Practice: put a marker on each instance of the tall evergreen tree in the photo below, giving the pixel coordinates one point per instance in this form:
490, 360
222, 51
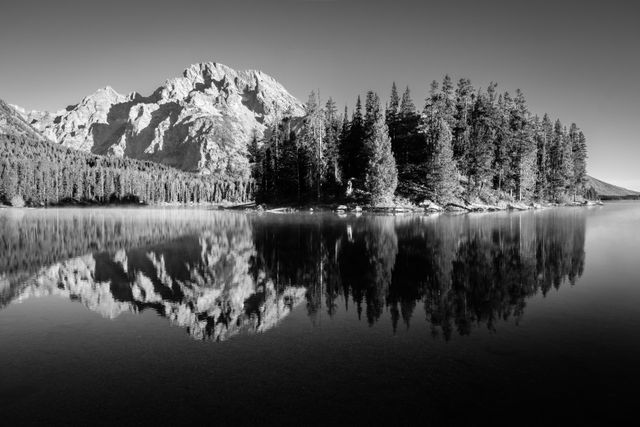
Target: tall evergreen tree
391, 113
440, 175
332, 125
313, 138
580, 163
523, 149
353, 160
544, 139
255, 157
503, 142
448, 101
371, 113
558, 161
567, 163
381, 175
406, 141
461, 130
9, 183
479, 157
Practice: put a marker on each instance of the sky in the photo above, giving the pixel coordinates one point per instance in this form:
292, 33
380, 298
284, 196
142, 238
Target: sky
576, 60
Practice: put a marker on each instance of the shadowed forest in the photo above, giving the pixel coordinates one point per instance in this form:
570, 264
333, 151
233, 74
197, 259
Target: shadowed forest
477, 144
41, 173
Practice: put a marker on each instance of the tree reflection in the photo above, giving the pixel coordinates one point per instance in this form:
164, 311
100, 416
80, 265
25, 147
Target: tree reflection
464, 270
222, 274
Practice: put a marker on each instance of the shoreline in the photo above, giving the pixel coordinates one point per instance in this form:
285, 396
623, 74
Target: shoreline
430, 208
424, 208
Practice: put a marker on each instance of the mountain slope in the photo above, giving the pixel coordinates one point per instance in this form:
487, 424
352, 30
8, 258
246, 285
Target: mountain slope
39, 172
201, 121
606, 190
12, 123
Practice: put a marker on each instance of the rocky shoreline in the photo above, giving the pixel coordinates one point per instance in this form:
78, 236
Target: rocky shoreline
424, 207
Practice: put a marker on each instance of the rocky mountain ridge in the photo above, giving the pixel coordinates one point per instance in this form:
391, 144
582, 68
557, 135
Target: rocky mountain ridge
12, 122
200, 121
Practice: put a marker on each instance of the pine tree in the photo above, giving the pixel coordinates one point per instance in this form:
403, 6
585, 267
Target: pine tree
580, 163
391, 112
371, 113
439, 171
433, 89
381, 176
462, 128
313, 135
479, 157
503, 143
332, 130
442, 176
544, 138
523, 149
448, 101
255, 157
344, 147
352, 147
567, 163
557, 161
406, 141
9, 188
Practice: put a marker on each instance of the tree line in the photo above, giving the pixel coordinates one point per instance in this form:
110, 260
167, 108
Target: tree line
465, 142
41, 173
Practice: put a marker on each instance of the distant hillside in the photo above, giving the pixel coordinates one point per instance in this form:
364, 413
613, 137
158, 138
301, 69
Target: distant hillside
609, 191
12, 123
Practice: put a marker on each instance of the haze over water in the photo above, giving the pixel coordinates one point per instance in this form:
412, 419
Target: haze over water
133, 315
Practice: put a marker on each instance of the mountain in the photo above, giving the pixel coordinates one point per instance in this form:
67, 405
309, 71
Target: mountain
13, 123
609, 191
200, 122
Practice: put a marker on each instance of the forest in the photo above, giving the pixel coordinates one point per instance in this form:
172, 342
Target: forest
476, 144
41, 173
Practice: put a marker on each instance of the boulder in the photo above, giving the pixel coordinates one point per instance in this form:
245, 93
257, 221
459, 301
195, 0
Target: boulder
518, 206
430, 206
456, 207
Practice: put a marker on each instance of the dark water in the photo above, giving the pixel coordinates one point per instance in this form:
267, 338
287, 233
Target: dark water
182, 316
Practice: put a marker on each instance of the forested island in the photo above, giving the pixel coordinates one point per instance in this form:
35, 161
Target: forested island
475, 145
465, 146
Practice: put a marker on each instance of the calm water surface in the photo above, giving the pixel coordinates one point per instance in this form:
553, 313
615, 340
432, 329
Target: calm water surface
134, 316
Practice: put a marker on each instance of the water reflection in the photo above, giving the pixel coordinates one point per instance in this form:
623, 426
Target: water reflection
222, 274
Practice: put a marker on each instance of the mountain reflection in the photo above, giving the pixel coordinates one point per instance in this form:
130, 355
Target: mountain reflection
222, 274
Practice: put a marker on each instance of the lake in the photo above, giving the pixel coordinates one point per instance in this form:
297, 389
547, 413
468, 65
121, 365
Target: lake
134, 316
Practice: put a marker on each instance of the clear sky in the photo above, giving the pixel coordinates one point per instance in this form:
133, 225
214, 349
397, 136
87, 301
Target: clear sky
576, 60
